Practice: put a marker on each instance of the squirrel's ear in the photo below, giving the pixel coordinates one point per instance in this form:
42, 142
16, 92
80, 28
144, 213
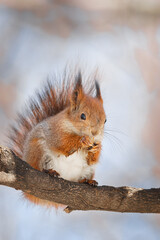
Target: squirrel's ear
77, 93
98, 92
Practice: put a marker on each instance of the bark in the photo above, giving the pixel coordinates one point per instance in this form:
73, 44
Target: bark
17, 174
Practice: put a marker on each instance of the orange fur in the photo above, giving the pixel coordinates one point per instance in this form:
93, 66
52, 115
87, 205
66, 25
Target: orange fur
35, 153
39, 201
70, 143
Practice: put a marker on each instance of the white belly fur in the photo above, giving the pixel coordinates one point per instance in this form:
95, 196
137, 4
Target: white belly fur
72, 168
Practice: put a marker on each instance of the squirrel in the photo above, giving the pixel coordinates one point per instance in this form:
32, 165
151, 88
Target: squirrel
61, 131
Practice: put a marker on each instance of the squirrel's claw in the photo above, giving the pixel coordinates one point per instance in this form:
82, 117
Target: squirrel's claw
86, 142
89, 181
94, 148
51, 172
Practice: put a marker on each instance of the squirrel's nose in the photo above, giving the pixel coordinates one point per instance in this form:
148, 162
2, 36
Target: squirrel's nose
94, 132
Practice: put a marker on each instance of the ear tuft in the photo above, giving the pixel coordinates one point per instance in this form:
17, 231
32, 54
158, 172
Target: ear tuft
77, 94
98, 91
78, 81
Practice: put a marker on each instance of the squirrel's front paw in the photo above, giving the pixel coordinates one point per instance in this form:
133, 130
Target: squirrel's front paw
95, 147
86, 142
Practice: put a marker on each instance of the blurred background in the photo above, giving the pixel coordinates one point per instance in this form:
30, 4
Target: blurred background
121, 40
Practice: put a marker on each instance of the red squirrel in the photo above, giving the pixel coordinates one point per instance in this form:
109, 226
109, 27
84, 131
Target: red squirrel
61, 132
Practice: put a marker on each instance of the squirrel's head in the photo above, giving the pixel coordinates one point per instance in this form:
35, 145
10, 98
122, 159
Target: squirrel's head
86, 113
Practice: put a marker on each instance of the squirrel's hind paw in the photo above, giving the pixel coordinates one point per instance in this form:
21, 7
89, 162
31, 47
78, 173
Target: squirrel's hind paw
51, 172
89, 181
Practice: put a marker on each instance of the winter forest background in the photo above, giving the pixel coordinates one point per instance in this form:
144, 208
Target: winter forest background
121, 39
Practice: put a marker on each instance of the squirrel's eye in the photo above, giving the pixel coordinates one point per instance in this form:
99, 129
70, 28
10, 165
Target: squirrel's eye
105, 121
83, 116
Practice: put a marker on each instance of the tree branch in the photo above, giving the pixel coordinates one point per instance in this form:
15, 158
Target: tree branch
18, 174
